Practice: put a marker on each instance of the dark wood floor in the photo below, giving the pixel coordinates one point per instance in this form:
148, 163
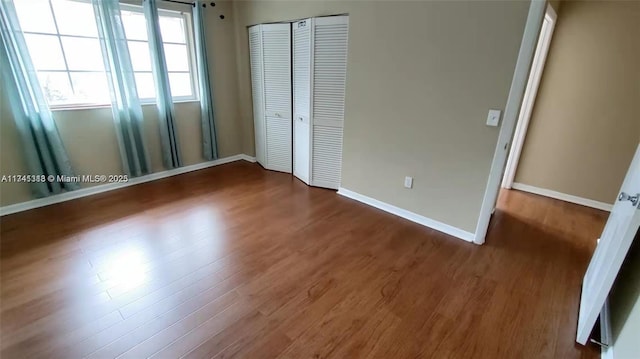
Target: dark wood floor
235, 261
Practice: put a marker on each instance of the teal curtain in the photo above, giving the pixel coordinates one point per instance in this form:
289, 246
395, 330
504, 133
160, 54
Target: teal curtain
44, 152
207, 114
125, 104
164, 101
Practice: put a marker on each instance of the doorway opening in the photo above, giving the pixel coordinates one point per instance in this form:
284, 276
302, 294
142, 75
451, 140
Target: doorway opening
506, 198
535, 75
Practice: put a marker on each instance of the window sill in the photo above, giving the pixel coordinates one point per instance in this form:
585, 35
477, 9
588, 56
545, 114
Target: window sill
101, 106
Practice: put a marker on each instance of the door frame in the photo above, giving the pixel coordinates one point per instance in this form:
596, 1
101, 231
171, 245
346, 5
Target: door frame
535, 17
535, 75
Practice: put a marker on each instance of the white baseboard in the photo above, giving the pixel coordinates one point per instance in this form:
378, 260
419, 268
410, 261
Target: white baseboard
563, 196
84, 192
413, 217
247, 158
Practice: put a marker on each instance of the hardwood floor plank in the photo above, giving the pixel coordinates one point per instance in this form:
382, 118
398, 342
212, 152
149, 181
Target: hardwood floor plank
128, 340
238, 262
191, 333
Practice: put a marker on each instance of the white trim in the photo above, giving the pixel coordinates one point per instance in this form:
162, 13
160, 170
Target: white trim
562, 196
535, 75
247, 158
606, 333
84, 192
516, 93
413, 217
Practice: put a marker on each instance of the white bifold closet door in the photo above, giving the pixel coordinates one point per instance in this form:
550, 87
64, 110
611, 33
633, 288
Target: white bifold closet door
302, 32
270, 53
257, 92
329, 75
319, 98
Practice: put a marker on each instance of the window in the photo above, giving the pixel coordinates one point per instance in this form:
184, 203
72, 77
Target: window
62, 39
175, 29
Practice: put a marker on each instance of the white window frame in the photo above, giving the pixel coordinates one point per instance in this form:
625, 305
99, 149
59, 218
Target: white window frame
66, 71
189, 38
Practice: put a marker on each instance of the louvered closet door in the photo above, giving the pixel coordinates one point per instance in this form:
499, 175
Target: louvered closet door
329, 79
276, 49
302, 98
257, 92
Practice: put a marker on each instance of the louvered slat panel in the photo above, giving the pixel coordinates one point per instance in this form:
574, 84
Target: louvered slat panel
327, 156
302, 67
257, 92
279, 144
277, 69
330, 70
302, 98
276, 56
329, 80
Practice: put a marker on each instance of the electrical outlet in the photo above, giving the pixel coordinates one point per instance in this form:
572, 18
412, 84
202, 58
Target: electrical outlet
408, 182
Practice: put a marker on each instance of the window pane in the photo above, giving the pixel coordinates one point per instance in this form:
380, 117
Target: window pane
140, 58
83, 53
172, 29
145, 86
180, 84
177, 57
56, 87
90, 87
135, 26
35, 15
75, 18
45, 52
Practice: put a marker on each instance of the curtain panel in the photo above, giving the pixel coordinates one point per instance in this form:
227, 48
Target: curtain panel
44, 152
205, 85
125, 104
164, 101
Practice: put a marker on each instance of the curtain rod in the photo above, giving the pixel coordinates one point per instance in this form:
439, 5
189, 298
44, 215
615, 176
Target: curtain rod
189, 3
182, 2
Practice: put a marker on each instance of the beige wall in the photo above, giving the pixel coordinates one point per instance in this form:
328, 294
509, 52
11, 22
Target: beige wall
555, 4
421, 77
585, 124
90, 138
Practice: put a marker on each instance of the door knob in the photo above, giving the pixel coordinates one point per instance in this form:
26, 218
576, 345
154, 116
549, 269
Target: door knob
301, 119
626, 197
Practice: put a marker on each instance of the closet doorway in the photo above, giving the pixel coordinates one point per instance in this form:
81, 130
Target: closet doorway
298, 77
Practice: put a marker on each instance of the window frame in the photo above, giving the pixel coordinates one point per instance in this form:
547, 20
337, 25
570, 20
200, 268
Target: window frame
190, 43
58, 36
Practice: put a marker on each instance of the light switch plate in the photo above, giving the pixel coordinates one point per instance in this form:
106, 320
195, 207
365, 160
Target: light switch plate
408, 182
494, 118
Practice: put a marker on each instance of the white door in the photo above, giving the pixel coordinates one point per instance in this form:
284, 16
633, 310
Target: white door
302, 35
610, 252
330, 41
257, 92
276, 51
